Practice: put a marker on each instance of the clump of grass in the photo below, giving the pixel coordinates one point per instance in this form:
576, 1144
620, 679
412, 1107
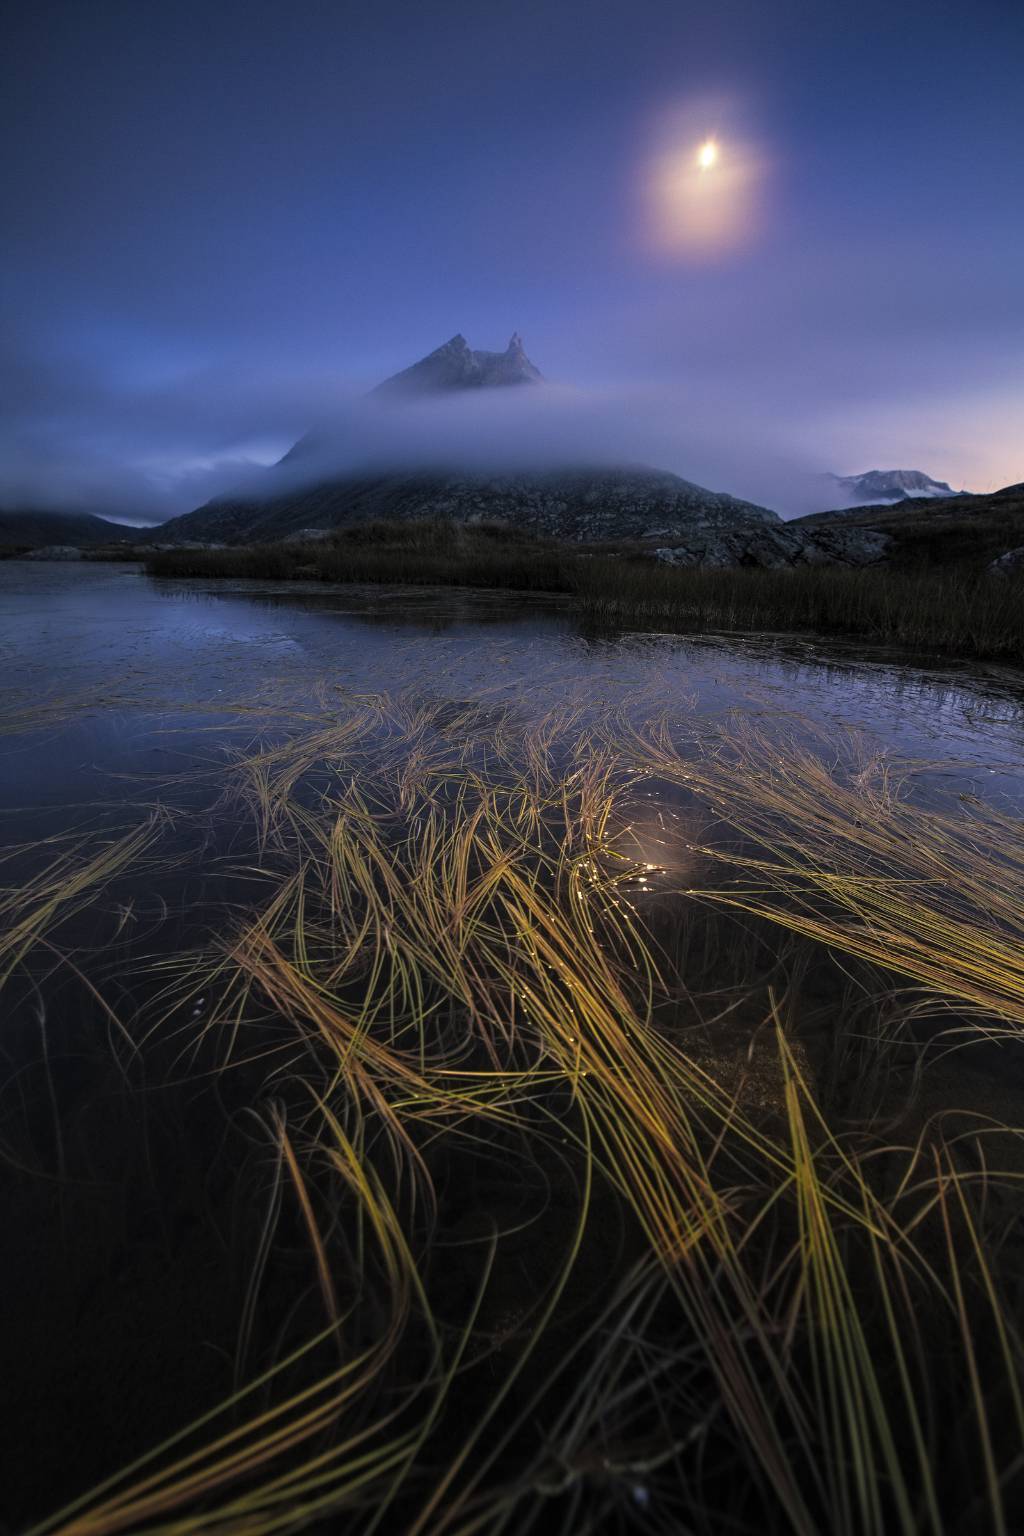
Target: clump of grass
844, 858
77, 871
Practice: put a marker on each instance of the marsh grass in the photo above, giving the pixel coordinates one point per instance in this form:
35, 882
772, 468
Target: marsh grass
426, 553
528, 1029
954, 609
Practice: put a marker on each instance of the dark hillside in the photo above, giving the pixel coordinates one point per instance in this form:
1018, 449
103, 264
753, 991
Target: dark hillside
940, 531
33, 530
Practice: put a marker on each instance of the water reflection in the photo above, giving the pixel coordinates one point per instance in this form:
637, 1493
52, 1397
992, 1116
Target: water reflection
130, 650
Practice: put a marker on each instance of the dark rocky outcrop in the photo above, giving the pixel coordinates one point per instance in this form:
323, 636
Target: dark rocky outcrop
1010, 564
778, 547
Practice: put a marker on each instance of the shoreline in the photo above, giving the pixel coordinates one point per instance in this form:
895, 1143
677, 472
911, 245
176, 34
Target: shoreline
950, 611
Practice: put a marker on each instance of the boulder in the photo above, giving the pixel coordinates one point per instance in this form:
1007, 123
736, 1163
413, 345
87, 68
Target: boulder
1010, 564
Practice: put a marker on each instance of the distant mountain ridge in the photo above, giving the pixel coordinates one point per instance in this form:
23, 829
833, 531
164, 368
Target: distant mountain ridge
579, 502
30, 530
888, 485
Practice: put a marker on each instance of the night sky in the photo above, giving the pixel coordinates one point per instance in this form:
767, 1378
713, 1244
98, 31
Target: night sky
222, 219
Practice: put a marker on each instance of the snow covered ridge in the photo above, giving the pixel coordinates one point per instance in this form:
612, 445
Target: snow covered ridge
890, 485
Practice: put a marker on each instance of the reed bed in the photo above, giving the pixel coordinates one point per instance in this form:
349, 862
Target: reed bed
534, 1026
952, 608
428, 553
955, 609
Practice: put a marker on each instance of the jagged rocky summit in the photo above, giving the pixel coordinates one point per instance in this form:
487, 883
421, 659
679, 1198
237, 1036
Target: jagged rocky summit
684, 522
457, 366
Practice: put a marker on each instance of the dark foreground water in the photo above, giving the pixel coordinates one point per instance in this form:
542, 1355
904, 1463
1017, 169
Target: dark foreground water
130, 1215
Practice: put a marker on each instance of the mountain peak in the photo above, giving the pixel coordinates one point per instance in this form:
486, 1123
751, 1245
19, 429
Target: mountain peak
454, 365
878, 485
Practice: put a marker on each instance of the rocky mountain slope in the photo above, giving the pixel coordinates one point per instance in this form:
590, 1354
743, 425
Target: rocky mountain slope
630, 502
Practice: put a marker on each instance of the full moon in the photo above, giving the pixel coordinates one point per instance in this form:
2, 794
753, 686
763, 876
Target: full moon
703, 190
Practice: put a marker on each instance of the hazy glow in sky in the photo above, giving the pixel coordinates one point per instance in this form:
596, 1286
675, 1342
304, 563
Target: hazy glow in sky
222, 221
706, 191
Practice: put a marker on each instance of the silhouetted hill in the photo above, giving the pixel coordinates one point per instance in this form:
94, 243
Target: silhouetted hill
33, 530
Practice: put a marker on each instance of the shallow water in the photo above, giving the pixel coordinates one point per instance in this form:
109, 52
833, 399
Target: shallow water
137, 1212
98, 660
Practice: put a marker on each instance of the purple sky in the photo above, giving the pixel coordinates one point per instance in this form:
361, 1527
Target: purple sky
223, 219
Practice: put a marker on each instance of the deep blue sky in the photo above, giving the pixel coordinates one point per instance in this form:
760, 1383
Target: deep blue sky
220, 217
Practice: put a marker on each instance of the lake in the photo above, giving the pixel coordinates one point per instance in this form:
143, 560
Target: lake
108, 651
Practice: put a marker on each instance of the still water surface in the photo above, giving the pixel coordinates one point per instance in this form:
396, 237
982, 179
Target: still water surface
98, 661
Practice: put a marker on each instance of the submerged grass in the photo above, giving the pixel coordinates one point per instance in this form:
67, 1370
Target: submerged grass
954, 609
585, 1236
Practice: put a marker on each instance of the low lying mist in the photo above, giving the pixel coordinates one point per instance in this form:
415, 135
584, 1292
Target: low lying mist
542, 428
76, 438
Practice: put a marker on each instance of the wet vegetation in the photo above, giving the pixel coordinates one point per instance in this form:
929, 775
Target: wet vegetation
954, 609
572, 1125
